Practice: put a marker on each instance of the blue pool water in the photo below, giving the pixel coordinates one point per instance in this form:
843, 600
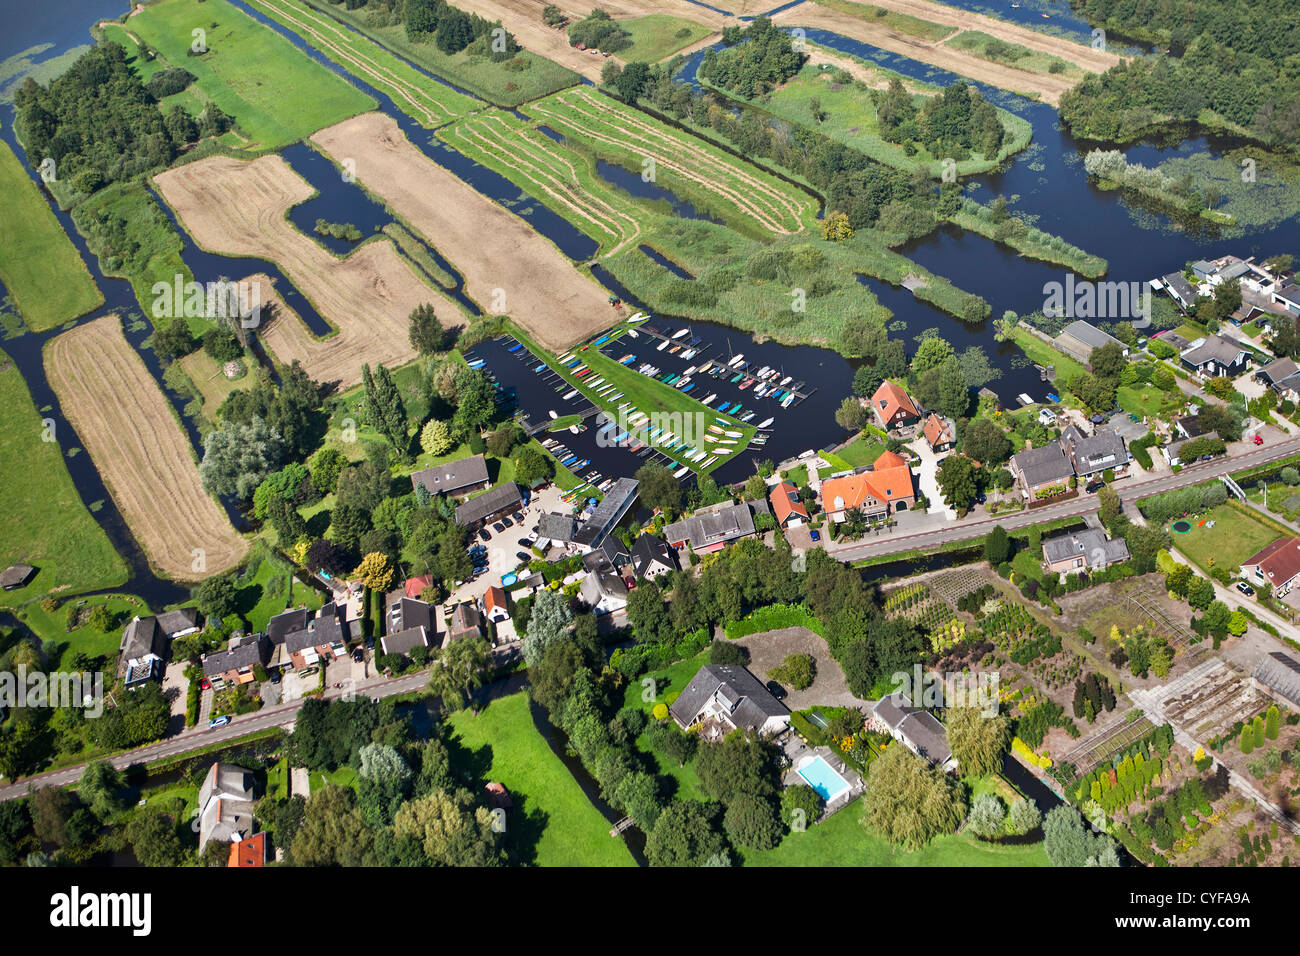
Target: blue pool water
822, 777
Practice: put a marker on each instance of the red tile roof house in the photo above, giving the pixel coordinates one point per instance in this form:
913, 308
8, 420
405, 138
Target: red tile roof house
250, 851
1278, 565
883, 490
495, 604
786, 506
938, 433
893, 407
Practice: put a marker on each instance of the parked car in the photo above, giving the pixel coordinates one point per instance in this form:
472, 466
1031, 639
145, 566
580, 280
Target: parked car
518, 516
205, 684
524, 542
358, 655
309, 671
525, 558
1257, 439
218, 721
1245, 588
275, 677
776, 690
507, 522
815, 534
484, 535
1095, 486
498, 527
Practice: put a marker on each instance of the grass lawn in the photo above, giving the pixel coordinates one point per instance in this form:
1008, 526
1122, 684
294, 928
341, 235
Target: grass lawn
1013, 54
797, 476
657, 36
276, 93
849, 117
39, 265
863, 450
1147, 401
668, 684
1044, 354
270, 589
1028, 564
45, 523
342, 777
842, 841
158, 246
209, 378
525, 77
52, 626
552, 820
1234, 538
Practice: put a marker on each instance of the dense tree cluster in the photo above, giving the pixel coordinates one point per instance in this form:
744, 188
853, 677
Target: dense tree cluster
100, 124
599, 31
1234, 62
756, 60
453, 30
954, 124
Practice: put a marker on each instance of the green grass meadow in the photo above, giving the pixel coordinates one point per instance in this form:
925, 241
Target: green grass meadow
39, 266
551, 814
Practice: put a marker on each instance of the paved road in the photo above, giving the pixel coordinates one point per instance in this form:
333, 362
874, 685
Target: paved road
887, 544
201, 737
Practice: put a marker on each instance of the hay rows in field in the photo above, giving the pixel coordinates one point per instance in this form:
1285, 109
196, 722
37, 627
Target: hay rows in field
146, 461
542, 162
334, 40
589, 116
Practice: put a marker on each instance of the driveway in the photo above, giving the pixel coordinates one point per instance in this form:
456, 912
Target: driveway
927, 476
504, 544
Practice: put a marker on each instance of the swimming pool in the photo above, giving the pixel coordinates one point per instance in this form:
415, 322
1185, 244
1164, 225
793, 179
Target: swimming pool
822, 777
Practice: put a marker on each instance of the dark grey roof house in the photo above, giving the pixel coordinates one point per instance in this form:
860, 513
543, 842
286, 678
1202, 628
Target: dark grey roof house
491, 504
15, 576
406, 613
916, 729
179, 622
140, 653
651, 557
453, 477
616, 503
557, 528
405, 641
1176, 284
226, 804
1079, 338
236, 664
726, 697
1217, 355
712, 529
1040, 468
1091, 454
1088, 549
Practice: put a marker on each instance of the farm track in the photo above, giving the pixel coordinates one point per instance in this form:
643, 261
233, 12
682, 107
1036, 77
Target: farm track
509, 268
238, 209
144, 456
774, 208
333, 39
548, 170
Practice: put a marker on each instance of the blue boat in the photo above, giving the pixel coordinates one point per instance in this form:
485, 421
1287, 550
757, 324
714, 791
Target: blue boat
515, 348
1053, 397
540, 368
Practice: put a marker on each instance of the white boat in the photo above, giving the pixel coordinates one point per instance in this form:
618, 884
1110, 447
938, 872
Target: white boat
690, 370
762, 372
787, 401
682, 383
575, 429
662, 345
736, 361
552, 414
710, 398
785, 381
680, 472
734, 434
711, 460
766, 422
634, 333
679, 334
569, 395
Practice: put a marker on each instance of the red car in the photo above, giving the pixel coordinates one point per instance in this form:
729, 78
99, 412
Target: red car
1257, 439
